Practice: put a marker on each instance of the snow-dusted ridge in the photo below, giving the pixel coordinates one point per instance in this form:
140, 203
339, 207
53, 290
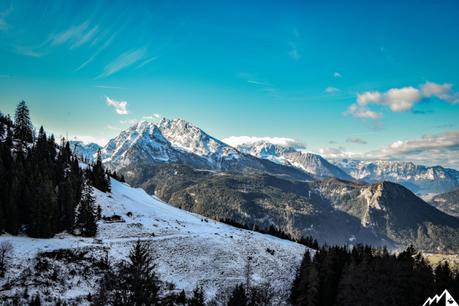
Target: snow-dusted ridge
190, 249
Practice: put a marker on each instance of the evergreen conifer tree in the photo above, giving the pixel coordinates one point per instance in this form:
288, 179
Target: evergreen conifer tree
86, 216
22, 124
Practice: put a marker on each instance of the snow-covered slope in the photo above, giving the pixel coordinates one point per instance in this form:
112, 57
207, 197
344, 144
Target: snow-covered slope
419, 179
190, 249
311, 163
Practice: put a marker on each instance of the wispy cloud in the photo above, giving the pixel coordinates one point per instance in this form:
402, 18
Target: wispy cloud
356, 140
294, 52
337, 74
4, 25
430, 149
401, 99
119, 106
129, 121
154, 116
259, 83
147, 61
92, 57
108, 87
123, 61
113, 128
90, 139
76, 35
331, 90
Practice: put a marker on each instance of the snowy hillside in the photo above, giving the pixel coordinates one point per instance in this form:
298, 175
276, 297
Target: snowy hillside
191, 250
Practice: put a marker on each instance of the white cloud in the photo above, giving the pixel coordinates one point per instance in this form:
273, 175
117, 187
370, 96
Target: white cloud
123, 61
430, 149
363, 112
401, 99
129, 121
441, 91
154, 116
334, 153
113, 128
90, 139
331, 90
120, 106
283, 141
337, 75
76, 35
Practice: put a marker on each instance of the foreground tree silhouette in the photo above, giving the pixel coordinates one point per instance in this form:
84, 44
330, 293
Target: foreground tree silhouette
22, 124
133, 282
238, 296
86, 214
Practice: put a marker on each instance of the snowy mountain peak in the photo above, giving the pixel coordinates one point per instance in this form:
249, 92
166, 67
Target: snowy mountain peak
287, 155
189, 137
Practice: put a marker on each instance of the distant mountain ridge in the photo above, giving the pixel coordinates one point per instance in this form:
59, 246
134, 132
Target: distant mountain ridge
309, 162
419, 179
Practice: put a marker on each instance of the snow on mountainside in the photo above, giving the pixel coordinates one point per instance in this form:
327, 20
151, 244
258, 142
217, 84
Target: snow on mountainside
191, 138
176, 141
311, 163
169, 140
190, 249
419, 179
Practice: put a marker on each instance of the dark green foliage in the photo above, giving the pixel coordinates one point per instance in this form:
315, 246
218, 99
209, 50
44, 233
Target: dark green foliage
86, 213
131, 283
97, 175
22, 124
40, 182
368, 276
198, 297
238, 297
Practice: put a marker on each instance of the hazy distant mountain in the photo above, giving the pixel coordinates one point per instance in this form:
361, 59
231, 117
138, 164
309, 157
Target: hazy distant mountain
311, 163
447, 202
178, 141
419, 179
86, 150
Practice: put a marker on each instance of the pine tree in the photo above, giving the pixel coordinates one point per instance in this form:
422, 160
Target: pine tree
238, 296
139, 281
22, 124
198, 297
86, 216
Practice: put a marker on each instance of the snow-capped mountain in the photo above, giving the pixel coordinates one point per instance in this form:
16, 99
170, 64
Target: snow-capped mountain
311, 163
180, 142
419, 179
86, 150
190, 250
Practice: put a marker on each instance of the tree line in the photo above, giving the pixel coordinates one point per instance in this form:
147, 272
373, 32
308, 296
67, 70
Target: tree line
367, 276
43, 191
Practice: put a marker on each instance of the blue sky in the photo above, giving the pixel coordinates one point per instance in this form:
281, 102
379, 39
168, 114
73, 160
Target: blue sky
345, 78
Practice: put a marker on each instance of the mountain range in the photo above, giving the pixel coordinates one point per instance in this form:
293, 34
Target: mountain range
303, 194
